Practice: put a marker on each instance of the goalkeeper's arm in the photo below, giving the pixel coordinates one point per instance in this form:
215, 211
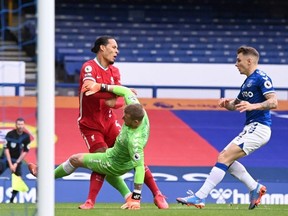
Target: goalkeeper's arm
138, 182
89, 84
128, 94
133, 201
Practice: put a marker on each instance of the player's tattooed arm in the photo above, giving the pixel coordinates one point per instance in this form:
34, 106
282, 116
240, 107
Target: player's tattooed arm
228, 104
271, 102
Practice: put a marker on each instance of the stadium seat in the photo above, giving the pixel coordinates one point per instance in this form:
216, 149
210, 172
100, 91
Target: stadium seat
208, 34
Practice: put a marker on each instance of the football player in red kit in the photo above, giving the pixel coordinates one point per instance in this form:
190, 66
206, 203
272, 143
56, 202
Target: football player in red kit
97, 121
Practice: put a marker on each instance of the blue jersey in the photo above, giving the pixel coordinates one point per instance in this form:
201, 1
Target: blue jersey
253, 90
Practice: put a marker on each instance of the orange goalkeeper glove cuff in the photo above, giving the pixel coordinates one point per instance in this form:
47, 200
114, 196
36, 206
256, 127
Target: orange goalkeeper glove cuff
90, 87
132, 202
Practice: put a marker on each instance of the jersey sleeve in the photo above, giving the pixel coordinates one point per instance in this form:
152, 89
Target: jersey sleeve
264, 82
7, 141
266, 86
137, 156
87, 72
129, 96
139, 174
5, 144
239, 97
26, 143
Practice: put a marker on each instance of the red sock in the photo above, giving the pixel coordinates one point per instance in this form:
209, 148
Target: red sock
150, 182
96, 182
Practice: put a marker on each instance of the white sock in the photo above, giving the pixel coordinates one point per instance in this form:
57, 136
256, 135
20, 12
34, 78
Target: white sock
238, 171
215, 177
68, 167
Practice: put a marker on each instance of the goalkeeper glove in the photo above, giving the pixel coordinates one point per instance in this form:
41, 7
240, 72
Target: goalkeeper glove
132, 202
90, 87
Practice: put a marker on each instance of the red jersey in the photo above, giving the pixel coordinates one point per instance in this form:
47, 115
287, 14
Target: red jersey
93, 112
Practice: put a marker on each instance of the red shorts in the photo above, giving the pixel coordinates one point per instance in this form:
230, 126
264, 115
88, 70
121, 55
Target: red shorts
96, 139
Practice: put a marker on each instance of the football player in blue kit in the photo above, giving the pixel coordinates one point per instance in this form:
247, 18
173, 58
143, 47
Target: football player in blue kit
257, 97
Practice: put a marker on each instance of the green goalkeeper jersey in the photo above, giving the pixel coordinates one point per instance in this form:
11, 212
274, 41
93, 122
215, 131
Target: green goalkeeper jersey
128, 150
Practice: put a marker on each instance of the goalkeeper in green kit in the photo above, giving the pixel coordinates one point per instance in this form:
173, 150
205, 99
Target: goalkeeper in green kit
127, 153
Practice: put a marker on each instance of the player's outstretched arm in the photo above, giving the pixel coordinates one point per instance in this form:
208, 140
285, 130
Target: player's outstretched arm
228, 104
89, 84
268, 104
128, 95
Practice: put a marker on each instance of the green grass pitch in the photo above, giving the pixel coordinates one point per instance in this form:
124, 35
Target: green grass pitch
113, 209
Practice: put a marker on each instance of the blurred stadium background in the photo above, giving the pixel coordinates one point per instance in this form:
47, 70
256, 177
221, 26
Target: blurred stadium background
187, 134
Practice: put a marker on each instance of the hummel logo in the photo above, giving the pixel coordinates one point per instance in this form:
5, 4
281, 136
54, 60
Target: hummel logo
98, 77
221, 195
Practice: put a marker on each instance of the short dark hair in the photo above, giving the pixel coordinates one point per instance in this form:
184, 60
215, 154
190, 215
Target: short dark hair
246, 50
103, 40
135, 111
20, 119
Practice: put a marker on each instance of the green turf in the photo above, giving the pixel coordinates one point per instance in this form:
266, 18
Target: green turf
101, 209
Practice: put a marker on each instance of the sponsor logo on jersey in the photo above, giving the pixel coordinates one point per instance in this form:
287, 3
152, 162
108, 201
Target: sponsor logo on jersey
248, 94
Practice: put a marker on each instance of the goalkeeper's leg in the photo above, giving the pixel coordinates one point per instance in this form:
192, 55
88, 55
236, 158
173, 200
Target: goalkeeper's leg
119, 184
64, 169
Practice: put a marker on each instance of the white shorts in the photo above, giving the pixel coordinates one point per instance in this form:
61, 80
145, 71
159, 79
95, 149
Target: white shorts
253, 136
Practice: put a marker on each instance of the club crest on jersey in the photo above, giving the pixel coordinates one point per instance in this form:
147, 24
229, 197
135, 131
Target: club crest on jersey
249, 84
88, 69
268, 84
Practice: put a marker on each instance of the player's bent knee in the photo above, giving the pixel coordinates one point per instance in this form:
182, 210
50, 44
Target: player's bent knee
76, 160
